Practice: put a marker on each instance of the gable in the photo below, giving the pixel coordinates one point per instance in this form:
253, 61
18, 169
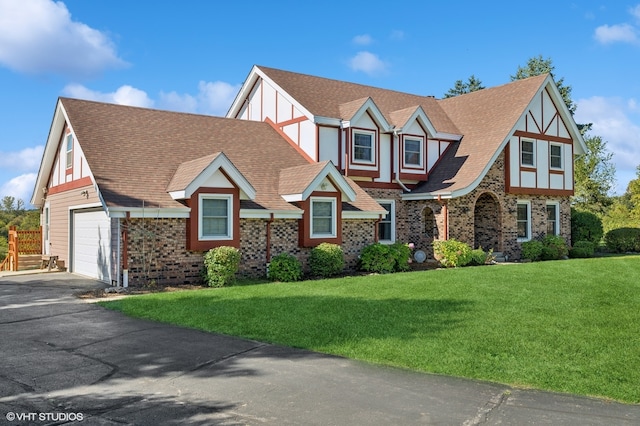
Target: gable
543, 117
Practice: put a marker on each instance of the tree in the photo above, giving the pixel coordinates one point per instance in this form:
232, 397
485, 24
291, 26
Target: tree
537, 66
625, 210
460, 87
594, 177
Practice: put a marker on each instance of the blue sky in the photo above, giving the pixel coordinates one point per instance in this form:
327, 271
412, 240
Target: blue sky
193, 55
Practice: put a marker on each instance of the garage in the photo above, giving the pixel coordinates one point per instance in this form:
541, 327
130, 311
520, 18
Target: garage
91, 244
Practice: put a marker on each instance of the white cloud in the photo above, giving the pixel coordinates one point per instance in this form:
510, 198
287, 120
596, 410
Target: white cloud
20, 187
617, 121
213, 98
364, 39
124, 95
39, 37
368, 63
635, 12
624, 33
25, 160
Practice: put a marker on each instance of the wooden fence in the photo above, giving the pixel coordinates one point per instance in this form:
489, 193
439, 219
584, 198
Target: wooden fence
21, 243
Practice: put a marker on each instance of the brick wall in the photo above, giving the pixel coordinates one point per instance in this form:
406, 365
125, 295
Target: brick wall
157, 252
485, 217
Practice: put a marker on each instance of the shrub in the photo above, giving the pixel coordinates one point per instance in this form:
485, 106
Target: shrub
554, 247
582, 249
623, 240
480, 257
285, 267
452, 253
401, 254
377, 258
326, 260
221, 265
532, 250
585, 226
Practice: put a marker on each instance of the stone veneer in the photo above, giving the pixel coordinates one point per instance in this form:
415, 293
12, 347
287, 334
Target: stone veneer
157, 252
485, 217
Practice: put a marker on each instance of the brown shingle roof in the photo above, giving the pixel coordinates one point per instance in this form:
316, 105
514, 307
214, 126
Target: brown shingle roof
485, 119
294, 180
188, 171
134, 153
328, 98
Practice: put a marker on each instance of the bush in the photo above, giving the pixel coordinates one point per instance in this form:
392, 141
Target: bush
401, 254
551, 247
326, 260
532, 250
582, 249
221, 265
383, 259
452, 253
285, 267
585, 226
554, 247
480, 257
377, 258
622, 240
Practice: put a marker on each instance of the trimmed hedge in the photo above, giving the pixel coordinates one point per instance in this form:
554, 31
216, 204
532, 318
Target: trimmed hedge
582, 249
221, 265
285, 267
385, 258
325, 260
623, 240
551, 247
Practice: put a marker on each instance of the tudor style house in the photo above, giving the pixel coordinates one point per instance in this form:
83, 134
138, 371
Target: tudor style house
137, 195
492, 168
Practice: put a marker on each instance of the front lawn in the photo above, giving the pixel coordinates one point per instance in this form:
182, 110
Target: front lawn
569, 326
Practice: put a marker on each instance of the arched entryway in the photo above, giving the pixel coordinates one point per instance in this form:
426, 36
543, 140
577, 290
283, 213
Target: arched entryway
487, 223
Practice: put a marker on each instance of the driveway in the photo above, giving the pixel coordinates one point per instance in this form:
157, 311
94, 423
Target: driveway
63, 360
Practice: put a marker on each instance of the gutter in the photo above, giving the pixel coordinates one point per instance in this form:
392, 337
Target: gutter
397, 178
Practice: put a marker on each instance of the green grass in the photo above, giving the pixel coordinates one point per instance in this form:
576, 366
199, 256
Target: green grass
569, 326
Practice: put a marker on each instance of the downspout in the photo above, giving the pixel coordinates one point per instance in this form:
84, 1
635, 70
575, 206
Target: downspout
397, 179
269, 222
376, 228
445, 212
125, 252
118, 254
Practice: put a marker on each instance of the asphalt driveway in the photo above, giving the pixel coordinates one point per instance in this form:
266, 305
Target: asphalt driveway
65, 360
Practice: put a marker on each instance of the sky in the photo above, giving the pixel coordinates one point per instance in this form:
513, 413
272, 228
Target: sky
194, 55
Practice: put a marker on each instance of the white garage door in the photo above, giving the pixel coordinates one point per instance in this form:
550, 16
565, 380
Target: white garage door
92, 244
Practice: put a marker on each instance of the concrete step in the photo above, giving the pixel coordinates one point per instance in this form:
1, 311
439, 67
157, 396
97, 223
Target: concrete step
499, 256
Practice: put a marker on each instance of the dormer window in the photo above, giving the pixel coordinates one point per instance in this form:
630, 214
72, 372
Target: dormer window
413, 152
363, 145
215, 217
323, 217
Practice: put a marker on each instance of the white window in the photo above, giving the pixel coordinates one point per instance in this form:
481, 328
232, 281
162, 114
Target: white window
323, 217
553, 218
69, 151
555, 156
413, 152
527, 153
363, 147
215, 220
523, 220
387, 226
